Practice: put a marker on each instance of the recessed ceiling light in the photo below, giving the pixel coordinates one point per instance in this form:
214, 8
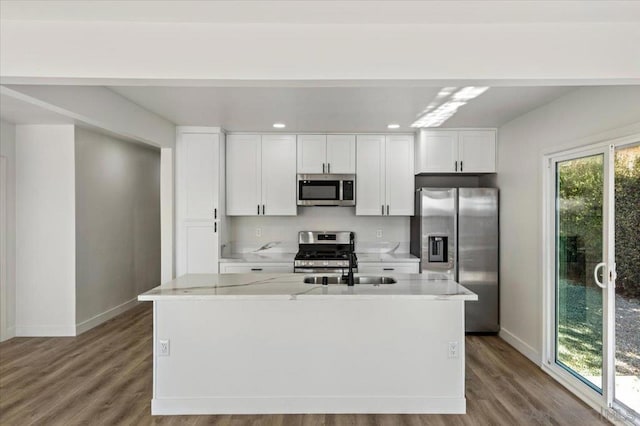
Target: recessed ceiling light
393, 126
279, 125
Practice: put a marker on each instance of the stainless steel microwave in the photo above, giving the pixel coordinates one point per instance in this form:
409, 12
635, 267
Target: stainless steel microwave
326, 190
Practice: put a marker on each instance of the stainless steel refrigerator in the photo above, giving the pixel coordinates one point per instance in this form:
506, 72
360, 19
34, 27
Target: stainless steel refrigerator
455, 234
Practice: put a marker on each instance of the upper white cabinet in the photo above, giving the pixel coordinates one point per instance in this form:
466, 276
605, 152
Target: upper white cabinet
384, 177
326, 154
261, 175
200, 179
456, 151
477, 151
279, 175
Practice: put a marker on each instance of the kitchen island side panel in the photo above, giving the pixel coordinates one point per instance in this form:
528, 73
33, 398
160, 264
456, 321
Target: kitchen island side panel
306, 356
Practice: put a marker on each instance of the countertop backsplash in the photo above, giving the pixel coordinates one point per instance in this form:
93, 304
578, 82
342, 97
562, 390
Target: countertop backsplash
279, 234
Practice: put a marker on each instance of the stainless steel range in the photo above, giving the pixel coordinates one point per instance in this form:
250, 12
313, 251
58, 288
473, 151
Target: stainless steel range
325, 252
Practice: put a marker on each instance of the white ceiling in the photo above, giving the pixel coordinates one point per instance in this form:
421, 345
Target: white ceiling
324, 12
328, 109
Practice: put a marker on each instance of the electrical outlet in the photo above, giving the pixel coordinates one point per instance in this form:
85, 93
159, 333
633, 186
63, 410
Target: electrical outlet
379, 233
453, 350
163, 348
258, 232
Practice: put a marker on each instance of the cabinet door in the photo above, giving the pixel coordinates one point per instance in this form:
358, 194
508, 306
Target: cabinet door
200, 248
381, 268
312, 153
370, 190
341, 153
477, 151
437, 151
279, 175
198, 175
400, 179
248, 268
243, 175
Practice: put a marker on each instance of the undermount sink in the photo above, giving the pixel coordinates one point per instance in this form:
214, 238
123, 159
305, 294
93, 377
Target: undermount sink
356, 280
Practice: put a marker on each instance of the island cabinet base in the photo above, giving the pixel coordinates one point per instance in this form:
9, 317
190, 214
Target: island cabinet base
244, 356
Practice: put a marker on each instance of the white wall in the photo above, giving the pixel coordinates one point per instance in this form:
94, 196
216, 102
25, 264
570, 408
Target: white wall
583, 113
117, 225
101, 108
585, 51
8, 238
45, 232
395, 230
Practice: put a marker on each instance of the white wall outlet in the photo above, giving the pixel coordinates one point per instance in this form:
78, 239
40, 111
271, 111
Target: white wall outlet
163, 347
258, 232
453, 350
379, 233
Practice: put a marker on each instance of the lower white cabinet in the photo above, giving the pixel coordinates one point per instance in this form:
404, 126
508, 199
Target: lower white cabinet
380, 268
247, 268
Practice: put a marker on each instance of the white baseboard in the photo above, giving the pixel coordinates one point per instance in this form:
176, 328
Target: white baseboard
105, 316
45, 331
8, 333
308, 405
521, 346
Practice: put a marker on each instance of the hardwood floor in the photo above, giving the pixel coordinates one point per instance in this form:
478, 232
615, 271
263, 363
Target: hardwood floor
104, 377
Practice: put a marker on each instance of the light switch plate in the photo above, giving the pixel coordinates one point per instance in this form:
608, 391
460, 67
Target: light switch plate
163, 347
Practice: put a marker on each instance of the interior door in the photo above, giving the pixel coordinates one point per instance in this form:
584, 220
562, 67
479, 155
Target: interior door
583, 267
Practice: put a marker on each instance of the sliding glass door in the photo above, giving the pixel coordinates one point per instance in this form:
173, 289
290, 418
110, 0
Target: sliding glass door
579, 218
627, 284
593, 274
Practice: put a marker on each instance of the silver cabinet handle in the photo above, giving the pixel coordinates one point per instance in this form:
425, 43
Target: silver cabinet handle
595, 274
322, 167
328, 167
258, 209
387, 209
456, 166
256, 269
382, 210
263, 209
460, 165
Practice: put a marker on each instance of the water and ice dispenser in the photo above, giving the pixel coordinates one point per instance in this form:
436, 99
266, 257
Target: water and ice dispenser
438, 246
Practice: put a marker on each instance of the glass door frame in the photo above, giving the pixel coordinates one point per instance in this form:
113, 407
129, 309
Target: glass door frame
603, 402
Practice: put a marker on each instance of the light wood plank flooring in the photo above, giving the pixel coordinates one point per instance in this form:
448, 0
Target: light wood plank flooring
104, 377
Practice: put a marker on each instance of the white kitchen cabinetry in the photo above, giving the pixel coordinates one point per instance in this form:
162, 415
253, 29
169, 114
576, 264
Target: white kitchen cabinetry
246, 268
380, 268
326, 154
477, 151
261, 175
456, 151
384, 178
200, 178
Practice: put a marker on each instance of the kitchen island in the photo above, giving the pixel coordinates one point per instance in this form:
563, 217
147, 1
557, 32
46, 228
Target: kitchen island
269, 343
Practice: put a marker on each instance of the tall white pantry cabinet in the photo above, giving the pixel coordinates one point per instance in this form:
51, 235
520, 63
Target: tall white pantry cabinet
200, 199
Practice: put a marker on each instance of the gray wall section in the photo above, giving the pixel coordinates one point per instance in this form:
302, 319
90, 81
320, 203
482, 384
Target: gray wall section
8, 150
117, 222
